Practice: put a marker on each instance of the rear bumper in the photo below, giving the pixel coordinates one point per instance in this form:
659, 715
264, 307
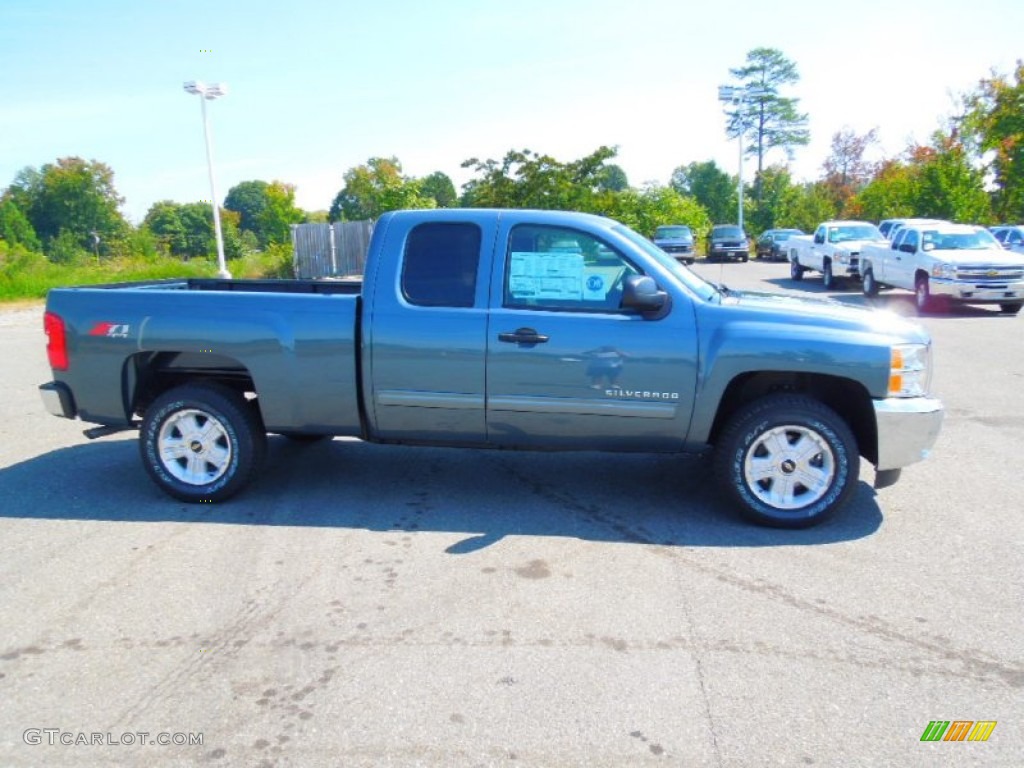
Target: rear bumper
58, 400
907, 430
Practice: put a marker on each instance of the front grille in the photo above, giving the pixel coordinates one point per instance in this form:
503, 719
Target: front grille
988, 274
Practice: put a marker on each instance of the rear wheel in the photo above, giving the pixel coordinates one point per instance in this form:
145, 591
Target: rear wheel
1010, 307
787, 461
796, 272
868, 283
201, 442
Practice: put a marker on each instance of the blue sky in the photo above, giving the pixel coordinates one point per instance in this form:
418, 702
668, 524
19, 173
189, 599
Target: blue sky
316, 87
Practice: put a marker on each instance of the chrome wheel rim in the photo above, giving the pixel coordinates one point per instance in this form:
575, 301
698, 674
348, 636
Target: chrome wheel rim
194, 447
789, 467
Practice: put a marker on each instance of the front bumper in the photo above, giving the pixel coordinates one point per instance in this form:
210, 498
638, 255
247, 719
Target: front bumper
58, 400
907, 430
960, 290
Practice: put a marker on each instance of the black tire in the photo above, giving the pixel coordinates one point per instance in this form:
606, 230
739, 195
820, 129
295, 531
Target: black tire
923, 299
796, 272
868, 283
828, 280
810, 441
1010, 307
219, 437
745, 257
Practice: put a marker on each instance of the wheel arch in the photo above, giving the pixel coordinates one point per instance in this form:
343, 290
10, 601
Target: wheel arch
848, 398
147, 375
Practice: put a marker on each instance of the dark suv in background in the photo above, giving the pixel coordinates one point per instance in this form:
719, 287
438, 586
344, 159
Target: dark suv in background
675, 240
771, 244
727, 241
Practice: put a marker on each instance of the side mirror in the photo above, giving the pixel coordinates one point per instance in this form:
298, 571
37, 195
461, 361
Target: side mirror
819, 239
908, 248
641, 293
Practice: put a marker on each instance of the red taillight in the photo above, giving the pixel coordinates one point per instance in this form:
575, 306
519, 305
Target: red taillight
56, 341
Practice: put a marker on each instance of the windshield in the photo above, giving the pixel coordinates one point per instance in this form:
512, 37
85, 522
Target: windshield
695, 283
976, 240
785, 234
672, 233
727, 232
854, 232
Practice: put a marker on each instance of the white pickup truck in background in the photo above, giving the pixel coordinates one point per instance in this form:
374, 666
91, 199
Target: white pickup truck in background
946, 261
834, 250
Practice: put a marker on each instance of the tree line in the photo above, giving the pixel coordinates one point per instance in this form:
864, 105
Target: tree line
969, 170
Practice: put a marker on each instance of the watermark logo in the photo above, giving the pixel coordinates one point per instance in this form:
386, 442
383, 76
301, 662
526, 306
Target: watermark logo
958, 730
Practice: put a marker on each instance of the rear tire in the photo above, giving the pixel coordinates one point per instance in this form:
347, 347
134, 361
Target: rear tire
787, 461
201, 442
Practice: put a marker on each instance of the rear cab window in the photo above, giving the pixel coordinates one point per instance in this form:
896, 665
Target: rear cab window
440, 265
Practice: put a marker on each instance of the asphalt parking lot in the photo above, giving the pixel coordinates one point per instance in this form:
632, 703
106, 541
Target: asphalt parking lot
368, 605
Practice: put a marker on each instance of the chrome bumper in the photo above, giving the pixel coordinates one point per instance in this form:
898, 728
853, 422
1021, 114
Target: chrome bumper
961, 290
907, 430
57, 399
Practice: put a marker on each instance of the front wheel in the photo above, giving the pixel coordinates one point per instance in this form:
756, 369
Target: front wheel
796, 272
1010, 307
922, 295
787, 461
828, 280
869, 285
201, 442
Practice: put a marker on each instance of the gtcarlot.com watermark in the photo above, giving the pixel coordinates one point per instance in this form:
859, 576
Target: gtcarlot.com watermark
58, 736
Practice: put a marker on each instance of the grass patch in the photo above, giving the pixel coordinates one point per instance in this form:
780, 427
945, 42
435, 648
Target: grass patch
28, 275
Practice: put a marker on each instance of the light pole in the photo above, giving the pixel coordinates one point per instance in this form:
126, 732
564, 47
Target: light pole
209, 93
739, 97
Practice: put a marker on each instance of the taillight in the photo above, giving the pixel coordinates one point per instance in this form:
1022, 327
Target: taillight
56, 341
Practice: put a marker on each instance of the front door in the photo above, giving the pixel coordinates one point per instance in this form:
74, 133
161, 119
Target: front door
566, 365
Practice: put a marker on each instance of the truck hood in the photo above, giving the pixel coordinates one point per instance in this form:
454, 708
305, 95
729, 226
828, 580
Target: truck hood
856, 245
991, 256
822, 313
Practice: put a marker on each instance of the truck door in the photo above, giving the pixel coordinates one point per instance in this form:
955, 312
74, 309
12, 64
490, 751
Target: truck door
426, 336
900, 270
566, 365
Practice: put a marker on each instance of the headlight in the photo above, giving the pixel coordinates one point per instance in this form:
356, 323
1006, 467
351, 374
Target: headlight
910, 370
947, 271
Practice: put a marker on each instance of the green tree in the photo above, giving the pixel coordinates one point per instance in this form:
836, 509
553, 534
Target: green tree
72, 200
439, 186
948, 185
890, 194
647, 209
710, 186
248, 199
163, 220
15, 228
525, 179
375, 188
780, 201
612, 179
994, 122
810, 205
769, 120
274, 224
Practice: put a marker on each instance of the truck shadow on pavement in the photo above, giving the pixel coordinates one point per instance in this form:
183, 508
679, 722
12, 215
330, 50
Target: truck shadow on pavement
643, 499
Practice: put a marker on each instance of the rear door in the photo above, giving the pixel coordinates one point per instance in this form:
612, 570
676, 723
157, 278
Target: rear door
566, 365
427, 331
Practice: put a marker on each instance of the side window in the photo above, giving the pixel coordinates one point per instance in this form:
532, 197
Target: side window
558, 268
897, 239
912, 239
440, 265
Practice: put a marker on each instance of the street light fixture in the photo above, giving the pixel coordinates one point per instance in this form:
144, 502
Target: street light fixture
739, 97
209, 93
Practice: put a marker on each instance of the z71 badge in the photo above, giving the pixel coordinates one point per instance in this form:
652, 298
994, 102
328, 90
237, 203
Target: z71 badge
111, 330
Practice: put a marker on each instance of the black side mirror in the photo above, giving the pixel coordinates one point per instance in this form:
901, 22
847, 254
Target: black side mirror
819, 239
641, 293
908, 248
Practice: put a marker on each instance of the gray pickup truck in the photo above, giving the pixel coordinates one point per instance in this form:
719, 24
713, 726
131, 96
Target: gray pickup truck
500, 329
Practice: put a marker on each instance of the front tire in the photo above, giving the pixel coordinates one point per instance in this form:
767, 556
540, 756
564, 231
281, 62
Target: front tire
868, 283
923, 299
787, 461
1010, 307
796, 272
201, 442
828, 280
